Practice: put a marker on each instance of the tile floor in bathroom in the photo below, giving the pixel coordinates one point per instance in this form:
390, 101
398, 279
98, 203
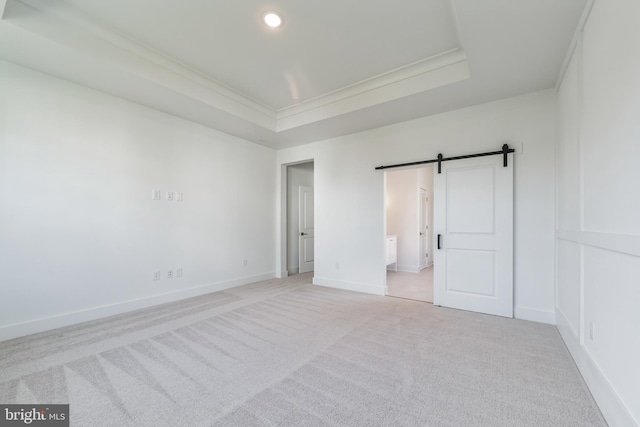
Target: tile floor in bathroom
415, 286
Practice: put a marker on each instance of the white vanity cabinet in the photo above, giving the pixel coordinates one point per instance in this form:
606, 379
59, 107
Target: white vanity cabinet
392, 251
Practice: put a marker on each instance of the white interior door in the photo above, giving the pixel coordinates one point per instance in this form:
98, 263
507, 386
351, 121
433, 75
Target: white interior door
306, 232
423, 214
473, 221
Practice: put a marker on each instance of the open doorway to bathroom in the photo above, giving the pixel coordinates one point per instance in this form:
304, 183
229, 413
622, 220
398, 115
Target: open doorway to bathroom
409, 196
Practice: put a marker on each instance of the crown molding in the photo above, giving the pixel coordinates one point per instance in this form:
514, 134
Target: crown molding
575, 41
453, 10
371, 83
93, 42
69, 27
430, 73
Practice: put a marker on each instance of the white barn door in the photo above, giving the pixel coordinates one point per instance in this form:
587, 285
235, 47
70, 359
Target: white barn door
473, 248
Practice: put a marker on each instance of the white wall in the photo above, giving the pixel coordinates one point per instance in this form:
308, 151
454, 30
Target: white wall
598, 208
297, 176
79, 233
349, 193
402, 216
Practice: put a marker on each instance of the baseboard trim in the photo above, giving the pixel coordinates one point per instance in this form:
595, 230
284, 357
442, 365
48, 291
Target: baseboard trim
67, 319
349, 286
535, 315
613, 409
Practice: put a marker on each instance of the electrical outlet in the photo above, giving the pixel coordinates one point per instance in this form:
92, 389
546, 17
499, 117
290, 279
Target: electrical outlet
179, 272
156, 275
169, 274
155, 194
180, 197
591, 330
245, 262
170, 195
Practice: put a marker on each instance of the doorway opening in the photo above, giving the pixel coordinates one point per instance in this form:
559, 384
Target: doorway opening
300, 234
473, 230
409, 225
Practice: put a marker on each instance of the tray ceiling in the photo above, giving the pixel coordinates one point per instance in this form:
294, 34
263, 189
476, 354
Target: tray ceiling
322, 46
334, 67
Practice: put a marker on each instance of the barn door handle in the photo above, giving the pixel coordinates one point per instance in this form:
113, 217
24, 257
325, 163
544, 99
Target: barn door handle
439, 240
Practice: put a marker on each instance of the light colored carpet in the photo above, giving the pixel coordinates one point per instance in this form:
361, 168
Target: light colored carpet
416, 286
286, 353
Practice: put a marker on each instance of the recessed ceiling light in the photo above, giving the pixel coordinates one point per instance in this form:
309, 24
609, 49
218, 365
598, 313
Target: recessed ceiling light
272, 19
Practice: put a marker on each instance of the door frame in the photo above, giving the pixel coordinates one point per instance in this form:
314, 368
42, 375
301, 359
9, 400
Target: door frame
282, 233
433, 227
384, 219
